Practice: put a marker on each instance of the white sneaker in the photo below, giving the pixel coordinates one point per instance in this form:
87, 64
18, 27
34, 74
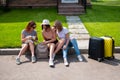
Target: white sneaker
80, 58
33, 58
51, 63
18, 61
66, 62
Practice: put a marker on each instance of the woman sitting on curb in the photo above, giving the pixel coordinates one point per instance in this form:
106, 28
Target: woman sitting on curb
28, 37
49, 39
63, 33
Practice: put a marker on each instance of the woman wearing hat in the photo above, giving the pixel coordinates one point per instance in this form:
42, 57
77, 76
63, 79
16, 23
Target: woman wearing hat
28, 37
49, 39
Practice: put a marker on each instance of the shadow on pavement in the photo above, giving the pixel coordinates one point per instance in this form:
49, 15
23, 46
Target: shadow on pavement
71, 59
114, 62
27, 61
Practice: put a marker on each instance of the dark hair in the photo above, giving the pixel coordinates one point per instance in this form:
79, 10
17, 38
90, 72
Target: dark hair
47, 26
30, 24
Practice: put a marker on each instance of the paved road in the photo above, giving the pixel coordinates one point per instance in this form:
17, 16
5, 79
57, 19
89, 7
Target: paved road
87, 70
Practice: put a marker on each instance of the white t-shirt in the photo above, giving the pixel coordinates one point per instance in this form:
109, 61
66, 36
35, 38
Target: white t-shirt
62, 33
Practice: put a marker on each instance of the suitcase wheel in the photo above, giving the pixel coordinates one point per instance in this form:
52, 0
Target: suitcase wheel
89, 57
99, 59
110, 58
113, 57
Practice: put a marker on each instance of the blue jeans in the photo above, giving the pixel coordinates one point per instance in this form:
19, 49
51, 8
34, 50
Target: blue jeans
72, 43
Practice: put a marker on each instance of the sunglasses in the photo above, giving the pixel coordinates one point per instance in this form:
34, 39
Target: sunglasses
34, 27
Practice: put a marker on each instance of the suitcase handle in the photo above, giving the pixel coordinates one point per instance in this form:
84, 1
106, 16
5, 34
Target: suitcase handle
108, 36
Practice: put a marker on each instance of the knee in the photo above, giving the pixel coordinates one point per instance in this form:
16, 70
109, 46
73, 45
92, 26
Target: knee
31, 43
24, 45
62, 41
52, 45
73, 39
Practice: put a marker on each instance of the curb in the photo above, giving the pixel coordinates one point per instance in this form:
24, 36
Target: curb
9, 51
15, 51
117, 50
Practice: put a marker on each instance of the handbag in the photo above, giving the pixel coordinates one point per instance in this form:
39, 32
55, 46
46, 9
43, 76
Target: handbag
41, 50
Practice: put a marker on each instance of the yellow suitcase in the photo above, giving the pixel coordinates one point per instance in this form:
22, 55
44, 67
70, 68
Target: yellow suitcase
108, 47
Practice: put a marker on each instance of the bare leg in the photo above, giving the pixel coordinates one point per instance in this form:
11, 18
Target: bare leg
59, 45
24, 48
52, 47
31, 48
33, 58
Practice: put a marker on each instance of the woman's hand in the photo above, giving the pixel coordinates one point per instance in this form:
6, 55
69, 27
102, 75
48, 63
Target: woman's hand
64, 47
29, 37
34, 37
45, 42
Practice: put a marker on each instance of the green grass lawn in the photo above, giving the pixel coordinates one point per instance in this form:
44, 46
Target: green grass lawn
11, 23
103, 19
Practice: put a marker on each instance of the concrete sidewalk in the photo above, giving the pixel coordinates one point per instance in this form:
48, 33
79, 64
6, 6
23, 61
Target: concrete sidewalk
78, 31
87, 70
